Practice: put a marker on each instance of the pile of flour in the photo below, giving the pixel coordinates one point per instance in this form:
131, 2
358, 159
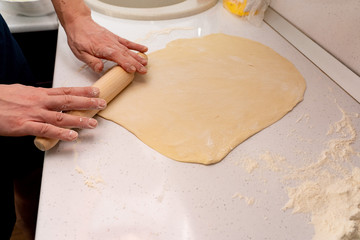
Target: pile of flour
327, 189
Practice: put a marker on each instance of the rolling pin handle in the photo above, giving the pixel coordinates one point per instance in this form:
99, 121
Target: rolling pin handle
45, 144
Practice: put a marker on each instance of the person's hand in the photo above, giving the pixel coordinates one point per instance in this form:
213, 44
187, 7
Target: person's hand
90, 43
34, 111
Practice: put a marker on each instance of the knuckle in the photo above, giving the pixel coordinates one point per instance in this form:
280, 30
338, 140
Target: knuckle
67, 90
45, 128
16, 124
90, 103
125, 53
106, 52
67, 99
59, 117
113, 54
93, 91
62, 107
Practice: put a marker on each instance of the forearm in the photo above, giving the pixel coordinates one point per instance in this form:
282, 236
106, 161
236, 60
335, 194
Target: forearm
69, 10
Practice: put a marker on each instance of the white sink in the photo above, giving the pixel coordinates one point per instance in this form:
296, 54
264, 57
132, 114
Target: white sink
150, 9
30, 8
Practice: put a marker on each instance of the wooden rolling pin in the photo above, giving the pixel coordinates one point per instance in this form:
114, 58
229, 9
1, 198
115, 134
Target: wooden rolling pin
110, 85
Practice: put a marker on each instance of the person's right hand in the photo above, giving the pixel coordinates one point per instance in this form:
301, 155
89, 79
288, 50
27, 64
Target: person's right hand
26, 110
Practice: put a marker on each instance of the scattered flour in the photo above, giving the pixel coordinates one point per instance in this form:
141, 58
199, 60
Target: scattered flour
153, 34
249, 200
249, 164
305, 116
327, 189
333, 204
274, 162
90, 180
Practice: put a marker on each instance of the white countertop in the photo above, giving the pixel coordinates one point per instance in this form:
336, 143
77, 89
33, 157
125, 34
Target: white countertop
109, 185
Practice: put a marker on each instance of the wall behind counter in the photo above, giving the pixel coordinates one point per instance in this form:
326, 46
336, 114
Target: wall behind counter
333, 24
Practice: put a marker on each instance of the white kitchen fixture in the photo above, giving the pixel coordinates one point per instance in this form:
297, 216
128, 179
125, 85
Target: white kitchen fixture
31, 8
150, 9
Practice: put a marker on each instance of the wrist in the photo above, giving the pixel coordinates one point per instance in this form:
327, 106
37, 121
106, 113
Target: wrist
69, 11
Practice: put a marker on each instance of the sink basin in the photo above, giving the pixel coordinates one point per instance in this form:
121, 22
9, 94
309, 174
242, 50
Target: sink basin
150, 9
30, 8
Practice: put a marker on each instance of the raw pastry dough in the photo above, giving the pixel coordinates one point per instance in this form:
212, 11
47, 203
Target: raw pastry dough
202, 97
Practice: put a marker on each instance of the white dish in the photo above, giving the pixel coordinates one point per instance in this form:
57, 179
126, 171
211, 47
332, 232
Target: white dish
150, 9
31, 8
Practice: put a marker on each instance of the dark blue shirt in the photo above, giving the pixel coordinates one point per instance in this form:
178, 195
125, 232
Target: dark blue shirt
13, 65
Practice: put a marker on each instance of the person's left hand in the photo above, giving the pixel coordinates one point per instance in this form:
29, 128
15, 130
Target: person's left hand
91, 42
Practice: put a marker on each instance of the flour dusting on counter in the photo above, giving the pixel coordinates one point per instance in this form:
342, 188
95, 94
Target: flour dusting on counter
249, 164
249, 200
333, 203
90, 180
327, 189
153, 34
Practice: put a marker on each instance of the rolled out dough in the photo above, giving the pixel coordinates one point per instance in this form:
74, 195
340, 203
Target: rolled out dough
202, 97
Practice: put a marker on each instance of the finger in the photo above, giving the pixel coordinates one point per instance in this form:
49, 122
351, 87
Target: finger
60, 119
142, 59
132, 45
70, 102
91, 92
129, 61
125, 58
132, 66
50, 131
95, 63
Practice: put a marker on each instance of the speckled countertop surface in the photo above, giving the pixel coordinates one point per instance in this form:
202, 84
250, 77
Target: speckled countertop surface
109, 185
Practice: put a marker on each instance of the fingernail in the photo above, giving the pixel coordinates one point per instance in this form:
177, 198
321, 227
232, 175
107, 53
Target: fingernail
98, 67
95, 92
143, 56
143, 70
132, 68
92, 123
72, 135
102, 104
